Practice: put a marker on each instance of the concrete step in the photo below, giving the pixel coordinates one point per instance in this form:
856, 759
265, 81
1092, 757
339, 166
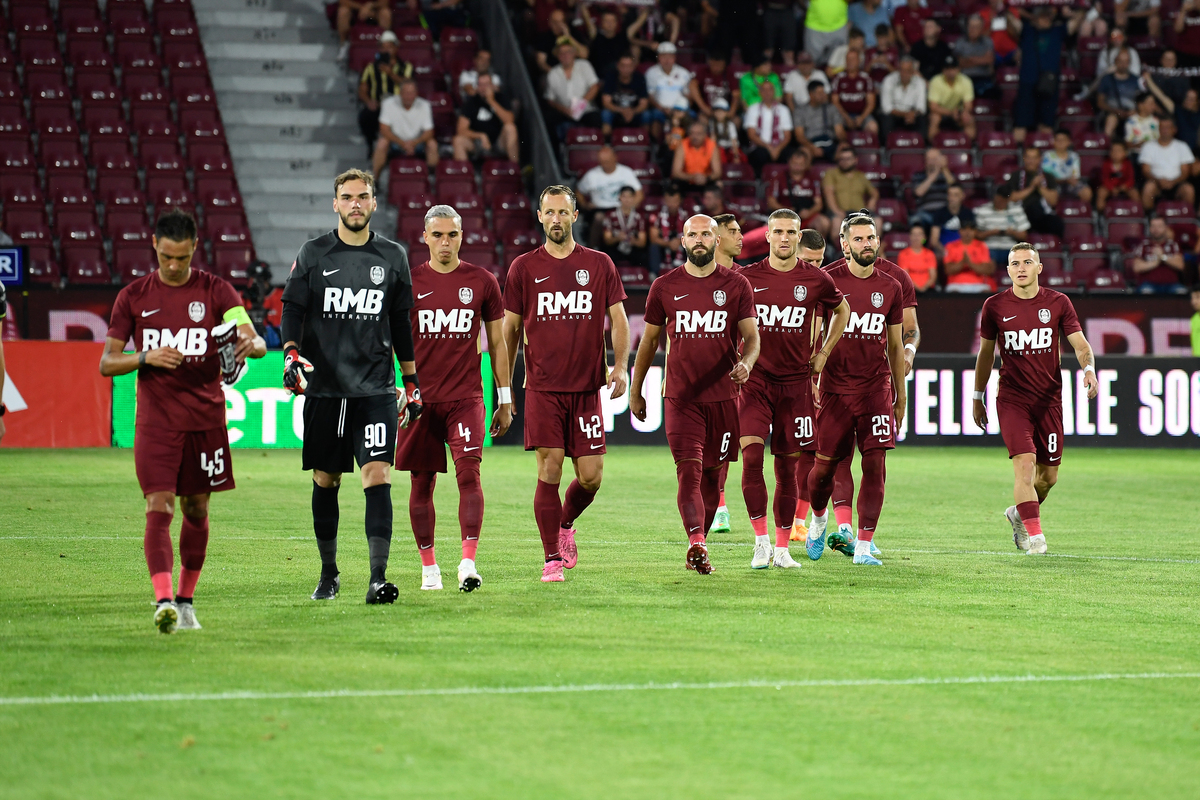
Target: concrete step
264, 169
275, 84
318, 185
296, 220
282, 51
300, 202
288, 240
269, 102
268, 35
312, 9
293, 134
239, 67
281, 258
298, 153
250, 20
288, 118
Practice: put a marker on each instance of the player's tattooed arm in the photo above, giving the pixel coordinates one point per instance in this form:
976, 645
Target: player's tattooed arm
895, 352
1087, 360
748, 330
983, 372
498, 350
115, 362
618, 379
911, 336
641, 365
837, 324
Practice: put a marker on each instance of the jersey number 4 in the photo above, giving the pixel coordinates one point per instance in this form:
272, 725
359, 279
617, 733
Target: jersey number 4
464, 432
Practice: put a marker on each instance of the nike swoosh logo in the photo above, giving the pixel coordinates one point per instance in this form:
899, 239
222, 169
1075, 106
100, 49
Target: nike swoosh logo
806, 444
217, 483
148, 313
423, 296
540, 280
378, 452
680, 297
469, 449
329, 272
1006, 319
762, 289
1056, 458
888, 439
596, 446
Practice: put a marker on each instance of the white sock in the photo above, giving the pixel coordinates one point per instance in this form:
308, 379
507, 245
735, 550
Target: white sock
722, 508
762, 540
862, 548
848, 528
466, 565
432, 569
779, 551
818, 521
1041, 537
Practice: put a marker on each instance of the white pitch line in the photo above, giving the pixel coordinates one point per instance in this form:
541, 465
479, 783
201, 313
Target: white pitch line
582, 688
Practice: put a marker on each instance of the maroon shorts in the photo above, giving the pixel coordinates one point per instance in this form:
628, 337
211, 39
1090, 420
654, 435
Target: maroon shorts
1032, 429
568, 421
784, 411
843, 417
184, 462
458, 423
707, 432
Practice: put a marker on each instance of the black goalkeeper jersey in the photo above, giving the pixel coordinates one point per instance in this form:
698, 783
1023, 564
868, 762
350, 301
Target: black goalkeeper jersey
350, 295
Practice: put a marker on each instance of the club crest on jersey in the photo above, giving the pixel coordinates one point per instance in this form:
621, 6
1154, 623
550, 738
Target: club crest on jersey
800, 292
582, 276
1044, 315
719, 297
465, 294
877, 299
196, 311
376, 275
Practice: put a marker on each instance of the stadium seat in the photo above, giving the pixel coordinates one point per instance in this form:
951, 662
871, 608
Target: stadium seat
996, 140
135, 235
1044, 242
1122, 229
511, 210
144, 91
86, 265
1105, 281
41, 268
137, 56
581, 159
430, 77
904, 165
13, 123
77, 226
1088, 244
20, 190
118, 218
894, 242
39, 54
1042, 140
200, 125
218, 194
168, 191
905, 140
226, 229
628, 138
951, 139
1123, 207
117, 191
414, 42
458, 43
133, 262
1092, 140
634, 159
445, 118
460, 200
176, 25
1083, 266
232, 263
193, 92
157, 131
455, 176
893, 214
500, 177
862, 139
161, 158
97, 89
112, 157
63, 157
16, 155
89, 55
998, 165
209, 159
1172, 209
10, 90
55, 123
29, 21
635, 277
520, 242
47, 88
478, 253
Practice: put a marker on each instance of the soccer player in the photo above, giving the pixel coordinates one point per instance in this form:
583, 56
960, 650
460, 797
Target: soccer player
729, 247
789, 296
345, 312
555, 301
1027, 320
180, 442
857, 402
843, 482
705, 309
454, 302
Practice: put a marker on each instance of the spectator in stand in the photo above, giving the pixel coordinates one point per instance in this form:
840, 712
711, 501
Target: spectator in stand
918, 260
826, 25
867, 15
712, 201
666, 228
1187, 33
930, 51
799, 192
480, 65
931, 187
1037, 192
600, 190
1000, 225
1094, 25
1065, 165
557, 33
976, 56
857, 42
951, 95
1139, 17
909, 23
1166, 166
970, 266
1142, 124
854, 97
380, 79
847, 188
1186, 112
884, 58
1041, 64
487, 126
625, 100
768, 125
751, 83
1116, 177
1117, 94
1157, 261
817, 126
995, 19
360, 12
440, 14
263, 303
661, 24
714, 82
903, 100
948, 222
611, 41
625, 230
668, 84
1167, 83
405, 128
572, 89
724, 130
779, 30
795, 84
1106, 63
697, 159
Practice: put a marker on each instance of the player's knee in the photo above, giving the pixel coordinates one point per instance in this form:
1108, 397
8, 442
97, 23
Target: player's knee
327, 480
194, 507
374, 473
161, 503
466, 472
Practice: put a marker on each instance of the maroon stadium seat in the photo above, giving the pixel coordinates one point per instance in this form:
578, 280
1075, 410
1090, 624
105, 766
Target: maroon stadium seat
519, 242
112, 157
20, 190
16, 155
47, 88
905, 164
893, 214
1121, 229
226, 229
89, 55
500, 177
1174, 208
1106, 281
86, 265
862, 139
905, 140
628, 137
232, 262
137, 55
41, 268
161, 158
209, 159
63, 157
458, 43
951, 139
133, 262
29, 21
157, 131
13, 123
455, 176
118, 191
1123, 207
39, 54
192, 91
511, 210
176, 25
128, 22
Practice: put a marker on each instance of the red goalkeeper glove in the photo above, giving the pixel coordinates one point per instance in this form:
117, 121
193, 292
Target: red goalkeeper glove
294, 368
410, 401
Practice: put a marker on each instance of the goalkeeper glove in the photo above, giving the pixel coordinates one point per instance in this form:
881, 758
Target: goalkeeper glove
410, 401
294, 368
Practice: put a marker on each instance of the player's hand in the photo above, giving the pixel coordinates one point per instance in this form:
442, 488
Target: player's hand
740, 373
410, 403
1093, 386
898, 406
245, 346
908, 362
817, 362
637, 404
502, 418
979, 412
296, 369
618, 382
165, 357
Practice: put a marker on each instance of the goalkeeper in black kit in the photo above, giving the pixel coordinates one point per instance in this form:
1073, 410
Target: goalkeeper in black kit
345, 312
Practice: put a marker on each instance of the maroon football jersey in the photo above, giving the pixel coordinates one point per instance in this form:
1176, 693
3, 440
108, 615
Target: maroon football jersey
1028, 331
859, 362
701, 316
908, 291
189, 397
562, 303
801, 194
786, 304
852, 91
447, 315
715, 87
1147, 250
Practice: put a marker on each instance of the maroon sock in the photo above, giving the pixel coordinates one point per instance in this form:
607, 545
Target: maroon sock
724, 475
754, 486
547, 510
820, 484
843, 491
710, 495
160, 556
193, 546
470, 504
870, 493
691, 504
785, 491
422, 516
575, 502
804, 465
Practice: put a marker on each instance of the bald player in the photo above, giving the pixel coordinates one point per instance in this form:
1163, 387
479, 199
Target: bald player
729, 247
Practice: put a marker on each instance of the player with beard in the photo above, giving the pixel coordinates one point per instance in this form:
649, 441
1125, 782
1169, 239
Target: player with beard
454, 302
729, 247
555, 299
345, 313
1027, 321
843, 482
777, 402
857, 401
706, 309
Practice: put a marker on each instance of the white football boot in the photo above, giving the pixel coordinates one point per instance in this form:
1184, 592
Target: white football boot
1037, 545
187, 618
783, 559
468, 578
431, 578
1020, 535
166, 617
762, 553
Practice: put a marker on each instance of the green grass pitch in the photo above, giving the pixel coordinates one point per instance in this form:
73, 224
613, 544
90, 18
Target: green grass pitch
954, 600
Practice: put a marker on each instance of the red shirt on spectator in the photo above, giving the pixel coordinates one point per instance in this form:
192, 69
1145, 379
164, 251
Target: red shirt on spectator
1116, 177
1162, 274
1002, 41
852, 90
910, 21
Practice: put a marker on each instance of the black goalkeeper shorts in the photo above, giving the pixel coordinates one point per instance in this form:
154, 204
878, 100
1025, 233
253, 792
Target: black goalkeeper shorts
341, 430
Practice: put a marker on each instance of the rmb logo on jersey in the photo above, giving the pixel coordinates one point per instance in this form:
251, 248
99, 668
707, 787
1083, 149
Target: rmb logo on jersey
800, 292
877, 299
376, 275
196, 311
719, 297
1044, 315
465, 294
582, 276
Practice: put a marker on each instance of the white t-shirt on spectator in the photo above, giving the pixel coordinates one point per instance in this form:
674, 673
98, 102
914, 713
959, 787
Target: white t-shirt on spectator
769, 122
894, 96
470, 77
565, 91
797, 85
406, 123
1166, 163
604, 188
669, 88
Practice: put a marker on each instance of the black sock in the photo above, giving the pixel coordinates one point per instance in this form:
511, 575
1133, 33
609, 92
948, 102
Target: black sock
325, 525
181, 599
379, 528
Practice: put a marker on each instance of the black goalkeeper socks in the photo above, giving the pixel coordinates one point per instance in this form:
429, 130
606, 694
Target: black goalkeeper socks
379, 528
325, 525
